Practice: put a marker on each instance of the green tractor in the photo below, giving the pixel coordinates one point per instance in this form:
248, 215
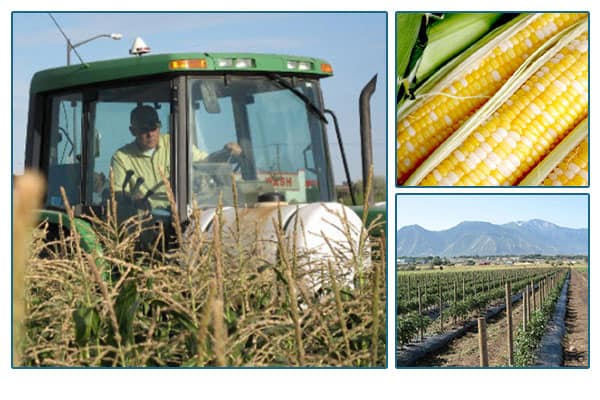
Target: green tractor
270, 106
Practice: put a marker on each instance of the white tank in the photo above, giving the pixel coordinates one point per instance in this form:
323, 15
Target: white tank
314, 235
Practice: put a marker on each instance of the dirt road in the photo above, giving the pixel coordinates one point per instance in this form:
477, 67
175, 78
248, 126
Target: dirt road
575, 343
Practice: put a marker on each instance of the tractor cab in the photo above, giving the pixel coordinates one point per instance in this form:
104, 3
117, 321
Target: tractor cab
269, 106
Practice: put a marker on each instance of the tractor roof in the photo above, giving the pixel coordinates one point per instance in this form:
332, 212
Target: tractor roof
133, 67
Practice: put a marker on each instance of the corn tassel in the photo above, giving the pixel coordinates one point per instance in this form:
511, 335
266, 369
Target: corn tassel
424, 125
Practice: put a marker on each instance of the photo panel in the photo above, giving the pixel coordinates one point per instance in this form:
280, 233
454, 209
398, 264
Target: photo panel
492, 280
188, 191
492, 99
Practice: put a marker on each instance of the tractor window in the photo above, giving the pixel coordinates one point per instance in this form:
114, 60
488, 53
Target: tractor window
134, 171
64, 158
281, 139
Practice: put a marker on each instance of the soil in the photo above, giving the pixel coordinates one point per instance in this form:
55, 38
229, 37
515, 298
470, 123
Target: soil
575, 343
464, 351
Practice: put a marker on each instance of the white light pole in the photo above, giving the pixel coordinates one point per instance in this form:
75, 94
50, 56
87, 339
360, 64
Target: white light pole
70, 46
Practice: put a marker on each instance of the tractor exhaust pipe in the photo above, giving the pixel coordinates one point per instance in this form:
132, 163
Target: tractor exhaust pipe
366, 133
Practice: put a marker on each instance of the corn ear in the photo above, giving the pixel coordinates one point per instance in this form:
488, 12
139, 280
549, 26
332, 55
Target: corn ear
566, 165
573, 170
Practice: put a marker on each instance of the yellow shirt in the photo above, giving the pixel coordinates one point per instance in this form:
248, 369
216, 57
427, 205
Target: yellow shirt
147, 165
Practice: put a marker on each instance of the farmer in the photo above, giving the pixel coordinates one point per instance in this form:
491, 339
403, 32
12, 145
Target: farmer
137, 166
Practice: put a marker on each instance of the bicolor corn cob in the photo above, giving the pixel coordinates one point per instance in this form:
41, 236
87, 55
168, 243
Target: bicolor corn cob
424, 128
573, 170
525, 128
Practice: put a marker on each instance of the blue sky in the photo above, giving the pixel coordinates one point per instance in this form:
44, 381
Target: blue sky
437, 212
354, 43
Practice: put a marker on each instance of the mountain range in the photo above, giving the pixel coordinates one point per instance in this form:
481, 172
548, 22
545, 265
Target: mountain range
470, 238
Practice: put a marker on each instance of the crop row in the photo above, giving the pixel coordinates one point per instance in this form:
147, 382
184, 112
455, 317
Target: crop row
435, 296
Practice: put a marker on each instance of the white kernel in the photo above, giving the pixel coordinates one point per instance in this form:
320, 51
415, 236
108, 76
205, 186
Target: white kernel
514, 160
578, 87
508, 165
437, 175
411, 131
459, 155
470, 163
514, 136
582, 47
583, 174
535, 109
433, 116
502, 132
481, 153
573, 167
479, 136
540, 87
452, 90
452, 178
496, 75
540, 33
561, 86
569, 174
526, 88
488, 161
510, 142
474, 158
409, 146
486, 147
492, 181
528, 43
448, 120
405, 123
525, 140
503, 170
547, 117
407, 162
494, 158
464, 82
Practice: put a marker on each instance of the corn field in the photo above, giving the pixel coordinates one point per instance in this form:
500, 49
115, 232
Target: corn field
207, 303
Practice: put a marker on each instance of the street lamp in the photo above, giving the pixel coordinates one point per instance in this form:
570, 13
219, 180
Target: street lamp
70, 46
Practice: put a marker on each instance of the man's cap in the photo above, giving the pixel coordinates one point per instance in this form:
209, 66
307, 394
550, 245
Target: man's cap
144, 118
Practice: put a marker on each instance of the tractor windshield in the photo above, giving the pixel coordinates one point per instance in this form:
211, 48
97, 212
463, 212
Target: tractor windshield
264, 132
